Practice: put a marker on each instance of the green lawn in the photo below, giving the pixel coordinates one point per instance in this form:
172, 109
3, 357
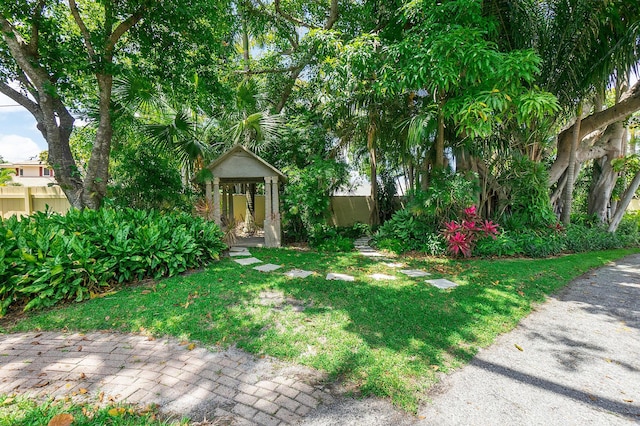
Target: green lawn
388, 338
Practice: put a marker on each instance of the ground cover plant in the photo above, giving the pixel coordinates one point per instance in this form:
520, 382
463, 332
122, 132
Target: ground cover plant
20, 411
387, 338
46, 258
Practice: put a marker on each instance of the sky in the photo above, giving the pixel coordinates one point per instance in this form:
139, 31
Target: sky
19, 137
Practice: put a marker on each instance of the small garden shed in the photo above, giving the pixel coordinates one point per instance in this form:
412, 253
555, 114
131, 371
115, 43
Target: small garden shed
241, 166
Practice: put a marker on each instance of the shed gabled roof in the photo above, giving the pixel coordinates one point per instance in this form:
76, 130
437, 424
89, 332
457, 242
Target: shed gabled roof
238, 164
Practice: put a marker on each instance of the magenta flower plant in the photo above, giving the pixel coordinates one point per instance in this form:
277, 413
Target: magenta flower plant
461, 237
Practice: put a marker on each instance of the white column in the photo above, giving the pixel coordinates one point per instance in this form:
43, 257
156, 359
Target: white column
231, 191
267, 199
276, 199
208, 198
216, 200
277, 233
225, 207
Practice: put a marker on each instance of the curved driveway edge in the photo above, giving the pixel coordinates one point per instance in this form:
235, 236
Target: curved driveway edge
181, 379
574, 361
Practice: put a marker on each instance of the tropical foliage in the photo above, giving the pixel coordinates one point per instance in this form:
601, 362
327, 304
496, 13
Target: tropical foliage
47, 258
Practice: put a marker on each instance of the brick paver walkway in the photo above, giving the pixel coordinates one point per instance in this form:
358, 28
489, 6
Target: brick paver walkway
181, 379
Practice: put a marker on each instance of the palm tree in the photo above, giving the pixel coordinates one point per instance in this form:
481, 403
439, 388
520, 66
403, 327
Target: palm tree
5, 176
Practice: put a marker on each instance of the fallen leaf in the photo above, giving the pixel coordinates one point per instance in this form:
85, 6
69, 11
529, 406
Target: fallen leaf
61, 420
191, 347
83, 376
518, 347
593, 398
145, 292
100, 396
83, 391
41, 384
35, 343
8, 401
79, 348
628, 400
184, 343
116, 412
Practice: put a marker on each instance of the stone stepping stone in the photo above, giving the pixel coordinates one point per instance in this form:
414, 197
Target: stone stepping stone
340, 277
236, 248
369, 252
267, 267
442, 283
383, 277
393, 265
298, 273
247, 261
414, 273
239, 253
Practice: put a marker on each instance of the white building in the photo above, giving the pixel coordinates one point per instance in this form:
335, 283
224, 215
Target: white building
31, 173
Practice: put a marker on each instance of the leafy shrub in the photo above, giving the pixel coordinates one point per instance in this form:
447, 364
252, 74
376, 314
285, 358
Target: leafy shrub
46, 258
529, 205
582, 238
306, 197
447, 196
329, 239
406, 231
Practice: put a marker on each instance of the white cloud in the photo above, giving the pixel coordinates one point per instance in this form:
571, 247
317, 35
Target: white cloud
15, 148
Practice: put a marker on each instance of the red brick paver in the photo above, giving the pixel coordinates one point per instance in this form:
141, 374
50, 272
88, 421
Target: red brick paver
197, 383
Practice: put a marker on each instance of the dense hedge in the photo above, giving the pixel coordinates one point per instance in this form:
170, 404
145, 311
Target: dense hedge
408, 232
46, 257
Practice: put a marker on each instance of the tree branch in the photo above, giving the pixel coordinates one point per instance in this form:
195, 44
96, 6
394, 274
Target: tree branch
83, 29
333, 15
292, 18
35, 28
123, 27
270, 70
19, 50
19, 98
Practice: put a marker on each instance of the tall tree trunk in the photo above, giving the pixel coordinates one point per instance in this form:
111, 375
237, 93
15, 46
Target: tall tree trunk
624, 203
439, 147
97, 174
571, 168
374, 216
605, 176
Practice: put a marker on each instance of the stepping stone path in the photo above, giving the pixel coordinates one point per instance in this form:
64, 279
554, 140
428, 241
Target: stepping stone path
298, 273
268, 267
239, 251
414, 273
339, 277
442, 283
362, 245
247, 261
382, 277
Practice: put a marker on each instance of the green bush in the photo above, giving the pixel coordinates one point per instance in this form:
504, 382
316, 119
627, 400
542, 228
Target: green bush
406, 231
329, 239
46, 258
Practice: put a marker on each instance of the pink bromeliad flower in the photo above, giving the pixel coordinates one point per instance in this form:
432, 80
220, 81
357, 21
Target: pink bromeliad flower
471, 212
489, 228
458, 243
451, 227
469, 225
